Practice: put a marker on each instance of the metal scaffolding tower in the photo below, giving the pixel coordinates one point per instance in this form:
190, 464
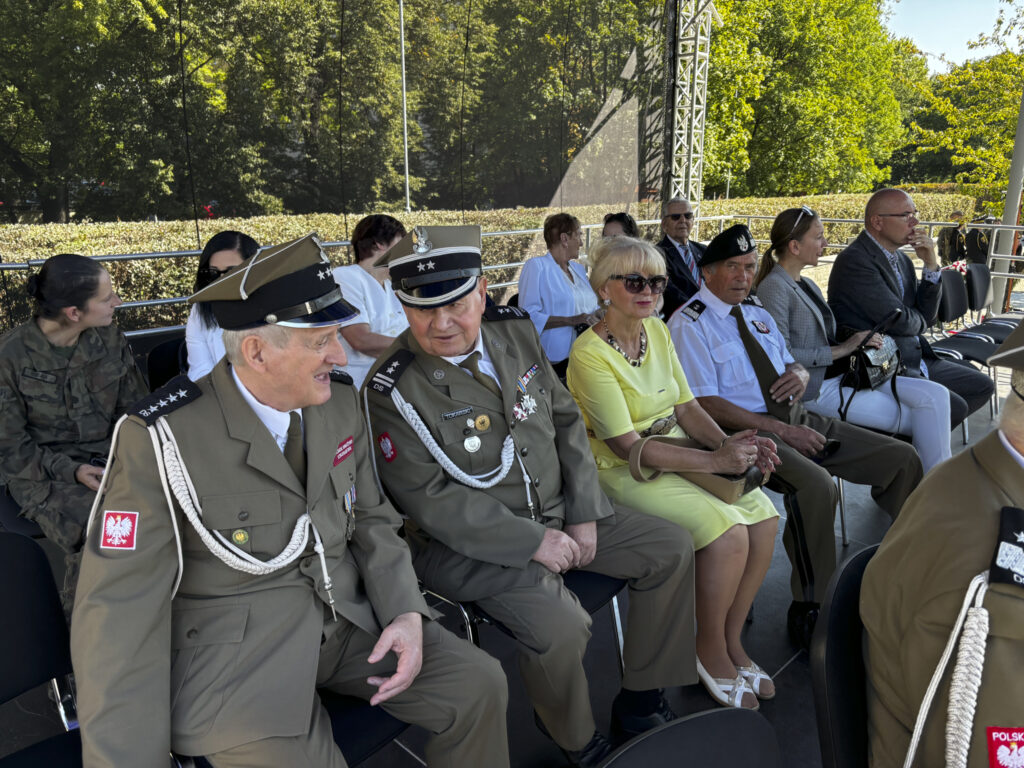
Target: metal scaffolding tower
687, 53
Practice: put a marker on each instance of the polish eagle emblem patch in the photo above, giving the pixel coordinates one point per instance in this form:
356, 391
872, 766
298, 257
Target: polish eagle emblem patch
119, 530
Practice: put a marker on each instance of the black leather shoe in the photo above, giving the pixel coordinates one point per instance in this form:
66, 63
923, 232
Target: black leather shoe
800, 622
592, 755
626, 724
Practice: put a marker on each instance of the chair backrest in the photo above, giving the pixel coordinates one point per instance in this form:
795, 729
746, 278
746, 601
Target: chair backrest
34, 644
953, 303
164, 362
979, 284
513, 300
837, 669
708, 739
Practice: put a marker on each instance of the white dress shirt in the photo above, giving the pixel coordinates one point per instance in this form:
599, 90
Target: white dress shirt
546, 291
713, 356
275, 421
205, 345
378, 307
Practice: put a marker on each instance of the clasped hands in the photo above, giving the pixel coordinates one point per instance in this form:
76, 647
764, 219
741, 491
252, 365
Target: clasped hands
745, 449
572, 547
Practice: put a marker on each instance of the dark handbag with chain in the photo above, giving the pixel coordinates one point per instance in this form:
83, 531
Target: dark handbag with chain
870, 367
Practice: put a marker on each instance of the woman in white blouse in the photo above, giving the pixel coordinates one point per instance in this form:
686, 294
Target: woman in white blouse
368, 289
555, 290
222, 253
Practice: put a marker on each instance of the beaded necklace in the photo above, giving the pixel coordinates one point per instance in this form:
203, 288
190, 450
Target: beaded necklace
639, 359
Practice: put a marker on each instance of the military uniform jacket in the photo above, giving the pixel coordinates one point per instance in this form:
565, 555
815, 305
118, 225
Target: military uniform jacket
232, 657
945, 535
494, 525
56, 412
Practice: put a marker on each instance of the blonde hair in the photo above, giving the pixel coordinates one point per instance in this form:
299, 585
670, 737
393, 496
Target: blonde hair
274, 335
622, 256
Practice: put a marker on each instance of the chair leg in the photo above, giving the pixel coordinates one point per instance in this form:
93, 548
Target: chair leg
964, 431
66, 705
617, 625
842, 510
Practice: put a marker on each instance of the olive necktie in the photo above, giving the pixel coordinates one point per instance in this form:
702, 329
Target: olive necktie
472, 364
763, 368
294, 452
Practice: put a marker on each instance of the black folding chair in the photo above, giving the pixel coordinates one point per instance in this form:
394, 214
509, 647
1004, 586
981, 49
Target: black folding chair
718, 737
11, 519
837, 668
593, 590
165, 361
979, 297
34, 646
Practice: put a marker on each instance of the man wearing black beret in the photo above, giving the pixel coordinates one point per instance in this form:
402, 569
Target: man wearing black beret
741, 372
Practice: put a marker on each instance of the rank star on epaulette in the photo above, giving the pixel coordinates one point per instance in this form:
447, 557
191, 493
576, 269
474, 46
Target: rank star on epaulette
387, 375
752, 300
505, 313
174, 394
694, 309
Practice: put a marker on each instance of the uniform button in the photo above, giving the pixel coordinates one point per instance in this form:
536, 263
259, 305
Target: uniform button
243, 515
467, 431
536, 482
523, 451
542, 391
511, 426
192, 634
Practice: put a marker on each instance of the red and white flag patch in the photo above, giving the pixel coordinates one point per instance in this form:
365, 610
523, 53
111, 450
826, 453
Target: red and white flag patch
387, 447
345, 448
1005, 747
119, 529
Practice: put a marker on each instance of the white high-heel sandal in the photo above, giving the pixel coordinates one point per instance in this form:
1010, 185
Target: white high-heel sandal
727, 692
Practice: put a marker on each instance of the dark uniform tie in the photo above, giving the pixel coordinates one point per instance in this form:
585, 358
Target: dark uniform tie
763, 369
472, 364
294, 452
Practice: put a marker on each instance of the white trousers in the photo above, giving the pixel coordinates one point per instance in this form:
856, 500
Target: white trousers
923, 412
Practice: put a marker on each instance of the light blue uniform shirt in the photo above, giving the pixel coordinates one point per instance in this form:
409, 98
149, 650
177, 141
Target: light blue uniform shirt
712, 353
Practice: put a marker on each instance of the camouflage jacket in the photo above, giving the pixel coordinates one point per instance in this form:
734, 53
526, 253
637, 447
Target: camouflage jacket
58, 412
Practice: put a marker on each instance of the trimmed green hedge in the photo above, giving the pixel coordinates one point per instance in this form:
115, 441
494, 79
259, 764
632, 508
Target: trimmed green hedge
170, 277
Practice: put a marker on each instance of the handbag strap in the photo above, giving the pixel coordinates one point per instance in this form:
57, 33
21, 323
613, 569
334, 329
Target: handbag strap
637, 470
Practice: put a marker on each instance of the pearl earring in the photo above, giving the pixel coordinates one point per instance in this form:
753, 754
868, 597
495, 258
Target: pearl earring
606, 302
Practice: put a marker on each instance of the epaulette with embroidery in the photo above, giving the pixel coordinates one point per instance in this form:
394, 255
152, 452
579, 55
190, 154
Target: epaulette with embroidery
694, 309
753, 301
390, 371
499, 312
1008, 559
170, 397
340, 377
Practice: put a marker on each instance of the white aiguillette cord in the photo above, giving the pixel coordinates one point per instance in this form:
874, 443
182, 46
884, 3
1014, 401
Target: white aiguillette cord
178, 485
963, 689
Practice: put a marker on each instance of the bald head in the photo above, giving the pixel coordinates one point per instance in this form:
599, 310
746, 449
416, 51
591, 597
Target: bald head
883, 200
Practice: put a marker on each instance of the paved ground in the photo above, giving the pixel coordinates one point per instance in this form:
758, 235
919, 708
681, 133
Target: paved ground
30, 718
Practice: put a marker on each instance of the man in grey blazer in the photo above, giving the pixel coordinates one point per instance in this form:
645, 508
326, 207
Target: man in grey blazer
872, 277
240, 555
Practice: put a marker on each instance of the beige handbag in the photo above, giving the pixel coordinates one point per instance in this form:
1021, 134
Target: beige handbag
729, 488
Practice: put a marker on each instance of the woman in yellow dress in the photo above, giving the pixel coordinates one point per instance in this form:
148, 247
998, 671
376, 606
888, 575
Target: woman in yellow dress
627, 380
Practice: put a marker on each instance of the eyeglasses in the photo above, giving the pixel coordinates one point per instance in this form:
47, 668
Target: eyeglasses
905, 215
676, 216
213, 273
635, 283
803, 209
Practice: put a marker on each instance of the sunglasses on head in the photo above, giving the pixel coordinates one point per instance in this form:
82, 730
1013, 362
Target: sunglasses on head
676, 216
213, 273
803, 209
635, 283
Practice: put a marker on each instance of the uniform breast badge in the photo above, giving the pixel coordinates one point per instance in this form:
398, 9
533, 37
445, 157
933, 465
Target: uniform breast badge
524, 408
471, 444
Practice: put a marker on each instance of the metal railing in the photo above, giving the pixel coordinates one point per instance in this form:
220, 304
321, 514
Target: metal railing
718, 222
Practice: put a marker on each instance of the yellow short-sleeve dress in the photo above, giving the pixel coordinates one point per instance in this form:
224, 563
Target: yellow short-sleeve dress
615, 398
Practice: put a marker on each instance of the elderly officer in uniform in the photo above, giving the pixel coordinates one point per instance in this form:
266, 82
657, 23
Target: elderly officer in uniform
958, 542
742, 374
240, 554
485, 450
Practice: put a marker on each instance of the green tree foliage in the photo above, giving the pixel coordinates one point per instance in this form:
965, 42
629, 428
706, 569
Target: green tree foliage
802, 96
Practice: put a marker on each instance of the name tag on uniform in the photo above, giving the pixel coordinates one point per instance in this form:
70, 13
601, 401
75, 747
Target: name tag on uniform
345, 448
48, 378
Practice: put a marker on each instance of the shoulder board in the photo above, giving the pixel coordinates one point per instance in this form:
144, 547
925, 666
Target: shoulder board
694, 309
340, 377
1008, 558
499, 312
752, 300
171, 396
390, 371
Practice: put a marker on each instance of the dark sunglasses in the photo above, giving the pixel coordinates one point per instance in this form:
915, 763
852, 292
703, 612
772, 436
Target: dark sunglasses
803, 209
213, 273
635, 283
676, 216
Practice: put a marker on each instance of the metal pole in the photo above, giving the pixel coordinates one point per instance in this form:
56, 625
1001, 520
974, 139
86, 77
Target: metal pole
1003, 244
405, 115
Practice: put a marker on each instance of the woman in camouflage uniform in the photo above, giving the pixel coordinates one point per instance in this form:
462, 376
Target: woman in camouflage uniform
65, 377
